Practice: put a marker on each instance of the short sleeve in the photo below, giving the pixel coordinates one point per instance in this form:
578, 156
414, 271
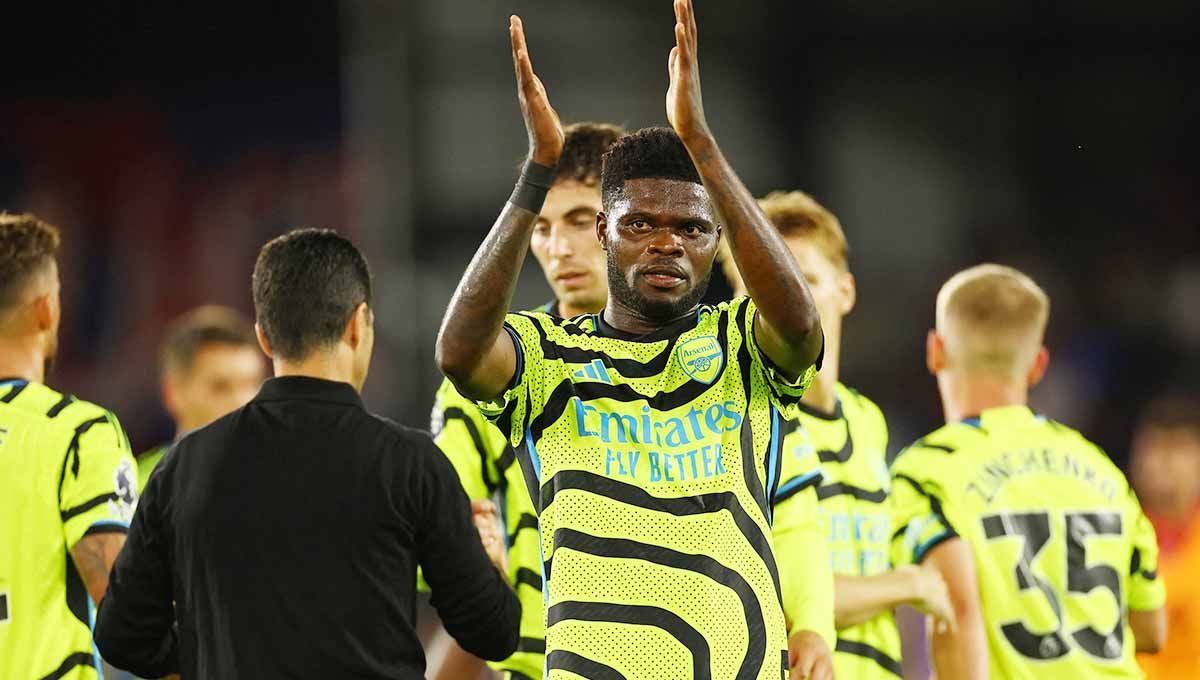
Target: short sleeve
917, 515
1147, 591
785, 393
99, 489
511, 411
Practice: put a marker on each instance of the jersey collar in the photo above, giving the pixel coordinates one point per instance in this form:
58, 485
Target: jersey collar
671, 330
311, 389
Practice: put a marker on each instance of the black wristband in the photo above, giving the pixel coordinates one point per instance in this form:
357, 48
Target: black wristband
532, 187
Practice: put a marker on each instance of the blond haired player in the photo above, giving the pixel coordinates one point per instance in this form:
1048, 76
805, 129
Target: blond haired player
834, 483
1049, 559
68, 482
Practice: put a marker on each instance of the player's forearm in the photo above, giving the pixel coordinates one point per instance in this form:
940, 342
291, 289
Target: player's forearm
769, 270
961, 654
858, 599
93, 556
475, 316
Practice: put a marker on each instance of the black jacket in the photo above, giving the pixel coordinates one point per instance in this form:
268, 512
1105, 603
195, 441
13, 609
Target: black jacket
284, 541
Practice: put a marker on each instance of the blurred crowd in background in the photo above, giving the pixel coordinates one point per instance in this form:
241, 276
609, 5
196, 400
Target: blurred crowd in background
169, 141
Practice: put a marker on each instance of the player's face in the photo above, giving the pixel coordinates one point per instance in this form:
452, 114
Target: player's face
832, 289
1166, 467
223, 377
661, 236
565, 244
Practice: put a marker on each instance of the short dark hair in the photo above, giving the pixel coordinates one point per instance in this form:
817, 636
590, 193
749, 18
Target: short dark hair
655, 152
26, 245
583, 151
203, 326
1177, 411
307, 284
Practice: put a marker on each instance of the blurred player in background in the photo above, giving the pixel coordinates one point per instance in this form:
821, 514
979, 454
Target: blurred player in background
565, 245
1049, 560
834, 483
210, 365
68, 481
1166, 473
647, 429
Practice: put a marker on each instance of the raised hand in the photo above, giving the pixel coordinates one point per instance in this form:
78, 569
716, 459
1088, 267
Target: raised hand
685, 107
541, 120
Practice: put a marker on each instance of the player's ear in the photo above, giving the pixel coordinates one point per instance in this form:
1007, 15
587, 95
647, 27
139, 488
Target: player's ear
935, 352
1040, 363
358, 325
849, 290
602, 229
263, 342
44, 312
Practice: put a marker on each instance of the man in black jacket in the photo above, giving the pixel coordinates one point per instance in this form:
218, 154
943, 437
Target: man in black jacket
282, 541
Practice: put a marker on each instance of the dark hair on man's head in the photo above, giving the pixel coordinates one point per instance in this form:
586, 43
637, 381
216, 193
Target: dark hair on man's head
26, 245
583, 151
1172, 412
199, 328
655, 152
307, 283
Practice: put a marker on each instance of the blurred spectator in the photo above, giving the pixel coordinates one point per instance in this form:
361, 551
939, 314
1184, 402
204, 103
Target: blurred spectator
1166, 474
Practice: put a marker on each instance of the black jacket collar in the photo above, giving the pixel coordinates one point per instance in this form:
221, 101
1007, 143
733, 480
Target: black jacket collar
312, 389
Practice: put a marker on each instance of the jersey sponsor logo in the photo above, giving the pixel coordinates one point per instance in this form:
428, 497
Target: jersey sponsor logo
858, 541
701, 358
125, 486
685, 447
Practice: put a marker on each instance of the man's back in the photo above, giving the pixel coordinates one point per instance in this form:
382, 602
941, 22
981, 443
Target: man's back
65, 472
1061, 546
293, 528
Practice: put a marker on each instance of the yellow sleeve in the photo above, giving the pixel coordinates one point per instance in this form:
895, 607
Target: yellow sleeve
512, 410
469, 440
917, 513
1147, 591
785, 393
99, 489
805, 572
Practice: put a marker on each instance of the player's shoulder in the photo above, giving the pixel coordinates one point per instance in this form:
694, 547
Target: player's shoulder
857, 405
1079, 445
940, 450
53, 409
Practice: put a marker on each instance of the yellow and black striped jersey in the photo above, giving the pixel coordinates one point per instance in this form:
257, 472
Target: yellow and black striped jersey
841, 456
486, 466
653, 458
1062, 548
66, 471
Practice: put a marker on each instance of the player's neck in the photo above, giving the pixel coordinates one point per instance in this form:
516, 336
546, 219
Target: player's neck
969, 395
333, 366
568, 311
21, 359
627, 320
822, 393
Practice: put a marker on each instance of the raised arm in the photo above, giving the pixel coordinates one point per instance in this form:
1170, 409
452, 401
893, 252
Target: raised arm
788, 328
472, 350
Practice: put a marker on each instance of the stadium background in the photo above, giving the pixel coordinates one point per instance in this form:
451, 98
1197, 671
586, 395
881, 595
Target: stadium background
170, 141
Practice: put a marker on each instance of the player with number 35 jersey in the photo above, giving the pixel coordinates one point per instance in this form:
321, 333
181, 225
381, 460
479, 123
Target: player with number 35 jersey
1064, 559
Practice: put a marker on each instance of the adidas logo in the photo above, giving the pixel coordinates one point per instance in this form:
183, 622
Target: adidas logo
596, 370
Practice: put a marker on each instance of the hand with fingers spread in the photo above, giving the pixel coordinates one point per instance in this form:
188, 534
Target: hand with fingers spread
685, 107
483, 512
541, 120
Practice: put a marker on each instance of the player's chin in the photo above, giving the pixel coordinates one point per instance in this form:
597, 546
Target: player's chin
664, 304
